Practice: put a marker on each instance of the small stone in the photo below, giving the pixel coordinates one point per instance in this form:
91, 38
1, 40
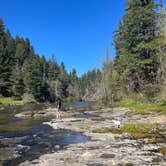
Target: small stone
96, 164
57, 146
106, 155
87, 155
119, 164
129, 164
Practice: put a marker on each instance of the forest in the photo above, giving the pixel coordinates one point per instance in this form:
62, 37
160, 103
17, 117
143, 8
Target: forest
137, 72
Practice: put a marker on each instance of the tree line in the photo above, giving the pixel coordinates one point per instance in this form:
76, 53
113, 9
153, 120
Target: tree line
139, 67
140, 43
23, 72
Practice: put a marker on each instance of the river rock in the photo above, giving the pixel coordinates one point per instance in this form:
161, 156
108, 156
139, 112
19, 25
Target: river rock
104, 149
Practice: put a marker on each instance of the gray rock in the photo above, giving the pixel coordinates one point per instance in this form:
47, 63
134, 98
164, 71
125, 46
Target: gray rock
107, 155
96, 164
105, 149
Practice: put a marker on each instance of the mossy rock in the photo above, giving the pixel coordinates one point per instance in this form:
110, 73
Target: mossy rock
160, 150
137, 131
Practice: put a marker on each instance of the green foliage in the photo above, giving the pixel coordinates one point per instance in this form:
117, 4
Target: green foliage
5, 63
137, 131
150, 92
70, 99
135, 40
10, 101
141, 108
160, 150
23, 71
89, 84
138, 68
28, 98
18, 86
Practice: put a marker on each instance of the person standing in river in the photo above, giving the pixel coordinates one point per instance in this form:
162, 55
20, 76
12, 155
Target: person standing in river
58, 107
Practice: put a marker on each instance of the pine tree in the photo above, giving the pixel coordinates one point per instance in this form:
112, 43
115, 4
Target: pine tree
161, 44
53, 72
5, 63
53, 68
63, 78
18, 85
44, 85
89, 85
135, 40
106, 76
22, 52
73, 87
33, 77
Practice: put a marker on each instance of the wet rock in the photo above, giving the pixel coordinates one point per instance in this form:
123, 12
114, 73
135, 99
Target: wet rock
129, 164
119, 164
126, 136
106, 149
36, 114
96, 164
107, 155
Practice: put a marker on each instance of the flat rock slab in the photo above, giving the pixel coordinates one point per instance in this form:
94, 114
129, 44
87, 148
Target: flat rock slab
105, 149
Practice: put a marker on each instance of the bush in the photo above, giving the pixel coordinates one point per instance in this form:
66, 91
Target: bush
69, 99
28, 98
151, 92
17, 98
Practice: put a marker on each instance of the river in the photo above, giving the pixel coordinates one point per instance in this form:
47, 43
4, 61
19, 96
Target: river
27, 139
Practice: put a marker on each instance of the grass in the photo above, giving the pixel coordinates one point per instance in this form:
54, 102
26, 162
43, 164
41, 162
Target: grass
137, 131
141, 108
69, 160
163, 150
156, 141
10, 101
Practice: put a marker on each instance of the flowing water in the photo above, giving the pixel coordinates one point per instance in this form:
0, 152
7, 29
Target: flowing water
27, 139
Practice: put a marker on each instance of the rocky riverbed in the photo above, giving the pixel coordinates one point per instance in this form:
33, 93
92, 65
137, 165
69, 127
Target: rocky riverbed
107, 148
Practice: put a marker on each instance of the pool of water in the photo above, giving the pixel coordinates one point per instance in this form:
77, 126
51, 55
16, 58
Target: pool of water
85, 115
31, 144
27, 139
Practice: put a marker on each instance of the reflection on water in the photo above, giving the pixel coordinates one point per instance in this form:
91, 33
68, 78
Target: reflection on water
84, 115
39, 140
27, 139
10, 124
76, 105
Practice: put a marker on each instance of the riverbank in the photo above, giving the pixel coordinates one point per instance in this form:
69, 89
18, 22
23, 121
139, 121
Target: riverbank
133, 144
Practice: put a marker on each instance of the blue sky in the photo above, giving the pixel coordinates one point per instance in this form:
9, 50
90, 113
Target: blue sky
76, 31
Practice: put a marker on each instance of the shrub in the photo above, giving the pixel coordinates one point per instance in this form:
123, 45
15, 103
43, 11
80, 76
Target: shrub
28, 98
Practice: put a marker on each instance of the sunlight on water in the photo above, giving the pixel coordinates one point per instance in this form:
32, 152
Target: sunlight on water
27, 139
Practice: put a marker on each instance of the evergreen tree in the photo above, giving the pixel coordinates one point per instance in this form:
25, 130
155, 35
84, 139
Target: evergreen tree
89, 85
135, 43
18, 85
63, 78
22, 52
73, 87
5, 63
161, 44
33, 77
53, 68
44, 85
53, 74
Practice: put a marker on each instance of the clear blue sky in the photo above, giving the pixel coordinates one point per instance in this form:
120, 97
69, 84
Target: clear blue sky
76, 31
